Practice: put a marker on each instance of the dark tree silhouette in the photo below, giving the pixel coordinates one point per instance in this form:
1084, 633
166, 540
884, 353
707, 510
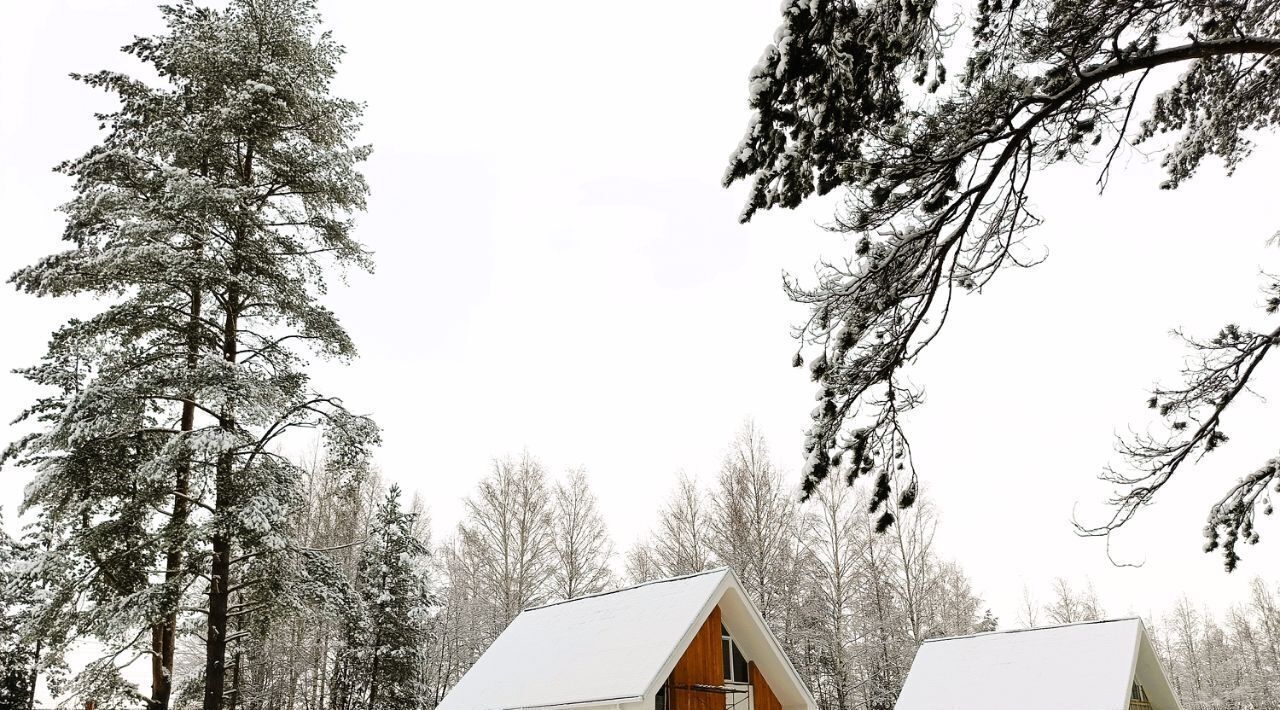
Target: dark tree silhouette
936, 173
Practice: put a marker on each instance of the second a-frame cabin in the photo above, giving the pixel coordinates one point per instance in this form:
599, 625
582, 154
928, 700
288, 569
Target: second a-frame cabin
1100, 665
687, 643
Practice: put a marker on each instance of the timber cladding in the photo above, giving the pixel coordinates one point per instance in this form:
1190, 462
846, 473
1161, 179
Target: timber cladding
764, 697
701, 664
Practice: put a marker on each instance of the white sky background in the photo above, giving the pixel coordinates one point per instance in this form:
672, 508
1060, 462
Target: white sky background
558, 268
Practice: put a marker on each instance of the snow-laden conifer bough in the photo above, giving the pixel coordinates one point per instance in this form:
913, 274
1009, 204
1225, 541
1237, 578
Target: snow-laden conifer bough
692, 642
933, 125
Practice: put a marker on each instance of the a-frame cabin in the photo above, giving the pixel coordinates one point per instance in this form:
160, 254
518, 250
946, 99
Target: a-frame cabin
687, 643
1100, 665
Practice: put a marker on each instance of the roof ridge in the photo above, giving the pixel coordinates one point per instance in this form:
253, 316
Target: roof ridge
1037, 628
628, 588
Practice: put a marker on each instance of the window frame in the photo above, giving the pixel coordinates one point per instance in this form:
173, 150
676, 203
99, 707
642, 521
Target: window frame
730, 677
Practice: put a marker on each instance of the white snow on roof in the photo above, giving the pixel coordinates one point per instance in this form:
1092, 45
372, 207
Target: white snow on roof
1086, 666
606, 648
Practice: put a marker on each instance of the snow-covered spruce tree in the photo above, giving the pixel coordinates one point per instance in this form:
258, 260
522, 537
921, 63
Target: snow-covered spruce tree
580, 540
17, 652
386, 642
937, 180
206, 221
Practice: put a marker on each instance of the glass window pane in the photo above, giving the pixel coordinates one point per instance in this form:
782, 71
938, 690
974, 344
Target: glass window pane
739, 666
724, 646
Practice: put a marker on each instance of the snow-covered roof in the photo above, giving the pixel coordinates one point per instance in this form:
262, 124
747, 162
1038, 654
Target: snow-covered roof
1087, 666
616, 648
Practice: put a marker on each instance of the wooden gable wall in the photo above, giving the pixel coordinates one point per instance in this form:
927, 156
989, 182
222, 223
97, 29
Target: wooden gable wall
764, 697
701, 664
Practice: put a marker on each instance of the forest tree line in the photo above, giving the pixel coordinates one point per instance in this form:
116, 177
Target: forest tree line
406, 616
403, 617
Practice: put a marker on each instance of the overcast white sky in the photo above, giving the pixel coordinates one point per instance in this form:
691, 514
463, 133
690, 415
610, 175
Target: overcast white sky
559, 269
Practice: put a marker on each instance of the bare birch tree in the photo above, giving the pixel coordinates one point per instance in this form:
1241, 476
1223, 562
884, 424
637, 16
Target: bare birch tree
581, 543
751, 521
640, 565
681, 544
834, 546
1070, 605
509, 529
1028, 610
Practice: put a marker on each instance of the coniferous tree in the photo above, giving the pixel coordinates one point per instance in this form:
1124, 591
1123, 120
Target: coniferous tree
387, 639
295, 630
17, 651
206, 220
989, 622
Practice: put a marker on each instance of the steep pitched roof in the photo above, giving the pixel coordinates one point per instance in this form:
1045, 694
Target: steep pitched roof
1088, 666
615, 648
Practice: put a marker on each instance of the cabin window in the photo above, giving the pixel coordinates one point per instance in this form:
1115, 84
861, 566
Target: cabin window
660, 700
735, 664
1138, 699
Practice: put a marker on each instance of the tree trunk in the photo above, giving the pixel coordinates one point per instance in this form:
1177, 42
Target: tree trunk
235, 682
164, 636
216, 646
215, 667
159, 685
220, 566
33, 677
373, 670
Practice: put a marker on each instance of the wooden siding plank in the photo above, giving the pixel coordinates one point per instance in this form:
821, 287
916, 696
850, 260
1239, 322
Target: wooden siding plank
701, 664
764, 697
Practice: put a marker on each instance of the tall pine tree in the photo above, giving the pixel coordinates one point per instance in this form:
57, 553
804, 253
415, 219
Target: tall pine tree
205, 221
